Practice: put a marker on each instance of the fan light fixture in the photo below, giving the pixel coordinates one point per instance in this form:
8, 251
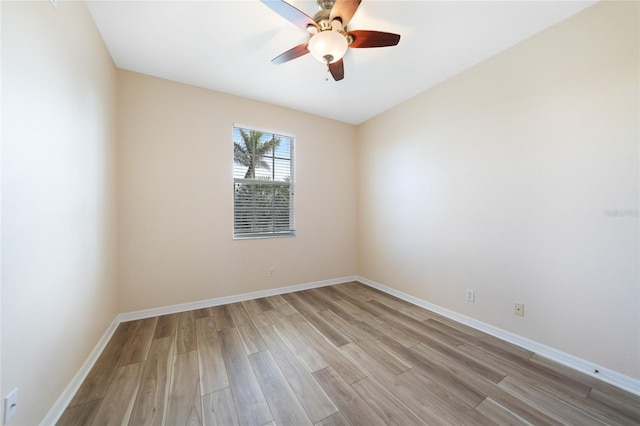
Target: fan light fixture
328, 46
329, 38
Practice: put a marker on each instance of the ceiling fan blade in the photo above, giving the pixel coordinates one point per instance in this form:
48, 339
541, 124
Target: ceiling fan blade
294, 52
337, 70
364, 38
344, 9
290, 13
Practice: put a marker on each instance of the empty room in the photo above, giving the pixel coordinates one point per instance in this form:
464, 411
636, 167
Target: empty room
268, 212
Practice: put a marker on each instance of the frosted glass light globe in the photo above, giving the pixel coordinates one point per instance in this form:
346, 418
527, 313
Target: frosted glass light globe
328, 46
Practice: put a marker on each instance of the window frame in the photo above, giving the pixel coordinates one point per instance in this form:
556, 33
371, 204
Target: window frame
273, 233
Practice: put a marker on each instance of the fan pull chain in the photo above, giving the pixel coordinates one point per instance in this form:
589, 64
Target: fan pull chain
326, 77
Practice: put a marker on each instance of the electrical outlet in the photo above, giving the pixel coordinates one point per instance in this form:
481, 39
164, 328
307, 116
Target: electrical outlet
518, 309
10, 405
272, 271
470, 295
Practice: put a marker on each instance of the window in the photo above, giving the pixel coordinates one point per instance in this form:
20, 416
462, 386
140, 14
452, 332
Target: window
263, 184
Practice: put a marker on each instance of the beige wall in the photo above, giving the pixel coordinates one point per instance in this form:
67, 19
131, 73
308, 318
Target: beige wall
500, 180
58, 135
176, 196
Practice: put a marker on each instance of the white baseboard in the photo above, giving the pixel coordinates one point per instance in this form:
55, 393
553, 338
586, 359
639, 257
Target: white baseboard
606, 375
67, 395
69, 392
154, 312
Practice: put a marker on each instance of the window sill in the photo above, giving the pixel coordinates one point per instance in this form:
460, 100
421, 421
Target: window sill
263, 236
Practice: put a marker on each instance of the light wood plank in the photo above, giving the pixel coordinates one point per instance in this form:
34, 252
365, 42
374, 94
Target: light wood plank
384, 403
452, 376
357, 298
332, 292
420, 401
593, 408
203, 313
281, 305
325, 298
239, 315
315, 302
213, 374
546, 403
389, 360
257, 314
222, 317
324, 302
382, 300
620, 402
387, 343
150, 403
433, 378
478, 367
416, 328
521, 408
336, 359
219, 409
355, 311
314, 400
184, 405
138, 346
265, 304
186, 333
251, 405
285, 407
494, 344
309, 313
379, 328
447, 400
603, 397
312, 360
525, 370
252, 340
97, 381
358, 290
500, 414
350, 404
433, 394
166, 326
343, 313
336, 419
81, 414
529, 369
118, 402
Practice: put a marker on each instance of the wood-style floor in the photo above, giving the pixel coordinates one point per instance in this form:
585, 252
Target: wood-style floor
339, 355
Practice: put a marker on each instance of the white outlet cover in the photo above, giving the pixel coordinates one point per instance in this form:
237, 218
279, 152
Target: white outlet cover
10, 404
518, 309
470, 295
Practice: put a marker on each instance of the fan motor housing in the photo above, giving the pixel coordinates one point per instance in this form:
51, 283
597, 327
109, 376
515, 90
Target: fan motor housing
322, 19
325, 4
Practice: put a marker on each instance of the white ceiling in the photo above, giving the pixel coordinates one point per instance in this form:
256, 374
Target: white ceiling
228, 46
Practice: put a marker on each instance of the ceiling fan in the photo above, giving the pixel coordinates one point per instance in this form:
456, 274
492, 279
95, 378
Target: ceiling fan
329, 38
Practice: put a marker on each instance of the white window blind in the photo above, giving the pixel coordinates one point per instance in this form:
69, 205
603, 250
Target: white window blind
263, 184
